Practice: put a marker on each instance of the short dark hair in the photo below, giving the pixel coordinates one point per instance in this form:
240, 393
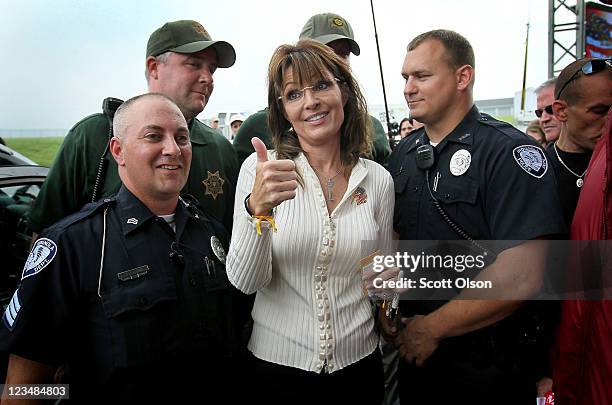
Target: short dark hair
309, 60
459, 49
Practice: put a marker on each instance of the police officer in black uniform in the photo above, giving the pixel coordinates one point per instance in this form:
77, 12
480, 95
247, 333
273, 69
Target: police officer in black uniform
131, 292
492, 183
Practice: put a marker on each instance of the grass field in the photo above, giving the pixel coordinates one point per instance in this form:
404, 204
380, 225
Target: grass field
40, 150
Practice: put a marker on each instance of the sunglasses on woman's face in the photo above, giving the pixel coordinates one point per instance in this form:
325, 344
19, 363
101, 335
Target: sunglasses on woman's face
589, 68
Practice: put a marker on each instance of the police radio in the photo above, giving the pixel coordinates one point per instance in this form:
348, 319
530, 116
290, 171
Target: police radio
425, 158
109, 107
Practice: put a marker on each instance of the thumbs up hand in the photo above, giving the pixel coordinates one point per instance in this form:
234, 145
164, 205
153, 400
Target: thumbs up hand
275, 181
260, 149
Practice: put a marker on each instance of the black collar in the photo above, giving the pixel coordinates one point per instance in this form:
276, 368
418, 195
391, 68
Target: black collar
133, 213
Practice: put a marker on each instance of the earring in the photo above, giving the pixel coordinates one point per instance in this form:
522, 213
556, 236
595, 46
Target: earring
290, 129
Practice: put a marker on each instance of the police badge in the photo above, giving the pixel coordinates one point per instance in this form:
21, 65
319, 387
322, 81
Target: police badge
460, 162
213, 184
217, 248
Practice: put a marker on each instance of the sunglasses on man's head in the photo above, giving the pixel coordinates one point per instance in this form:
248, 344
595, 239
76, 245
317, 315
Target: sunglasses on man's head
589, 68
540, 111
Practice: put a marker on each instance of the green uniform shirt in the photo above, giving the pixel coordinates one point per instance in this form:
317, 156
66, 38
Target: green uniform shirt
257, 126
70, 183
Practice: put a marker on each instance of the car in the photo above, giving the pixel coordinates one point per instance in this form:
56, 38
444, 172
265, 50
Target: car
20, 182
19, 187
9, 156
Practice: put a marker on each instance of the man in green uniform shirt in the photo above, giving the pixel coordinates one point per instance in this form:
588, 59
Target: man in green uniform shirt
335, 32
181, 60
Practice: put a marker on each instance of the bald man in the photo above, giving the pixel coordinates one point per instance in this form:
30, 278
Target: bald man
130, 292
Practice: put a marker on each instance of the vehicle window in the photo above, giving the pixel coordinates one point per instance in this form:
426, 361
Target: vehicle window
15, 236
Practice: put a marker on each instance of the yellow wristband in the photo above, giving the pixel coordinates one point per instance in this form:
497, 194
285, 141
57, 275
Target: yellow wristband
264, 218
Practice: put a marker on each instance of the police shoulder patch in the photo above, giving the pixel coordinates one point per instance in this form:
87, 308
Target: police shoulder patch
531, 159
42, 253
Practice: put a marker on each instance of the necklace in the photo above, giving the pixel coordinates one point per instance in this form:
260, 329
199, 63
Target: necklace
330, 183
579, 182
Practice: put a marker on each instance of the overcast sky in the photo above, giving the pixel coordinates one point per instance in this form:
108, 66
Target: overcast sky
61, 58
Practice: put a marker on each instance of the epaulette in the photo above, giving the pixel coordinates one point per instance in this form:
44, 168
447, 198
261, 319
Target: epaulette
501, 126
88, 211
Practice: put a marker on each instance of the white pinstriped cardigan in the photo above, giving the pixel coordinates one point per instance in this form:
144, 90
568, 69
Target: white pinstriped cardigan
310, 308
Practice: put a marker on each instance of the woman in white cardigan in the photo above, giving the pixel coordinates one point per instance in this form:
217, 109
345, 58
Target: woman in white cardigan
301, 214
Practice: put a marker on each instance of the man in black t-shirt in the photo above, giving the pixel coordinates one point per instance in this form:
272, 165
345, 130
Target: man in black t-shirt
583, 95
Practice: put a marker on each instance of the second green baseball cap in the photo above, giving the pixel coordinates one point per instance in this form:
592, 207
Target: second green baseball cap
188, 36
328, 27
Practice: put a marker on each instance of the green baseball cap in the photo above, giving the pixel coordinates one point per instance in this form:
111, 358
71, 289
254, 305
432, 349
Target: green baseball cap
188, 36
328, 27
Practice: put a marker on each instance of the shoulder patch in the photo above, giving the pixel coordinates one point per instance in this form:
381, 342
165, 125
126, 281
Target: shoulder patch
42, 254
531, 159
12, 311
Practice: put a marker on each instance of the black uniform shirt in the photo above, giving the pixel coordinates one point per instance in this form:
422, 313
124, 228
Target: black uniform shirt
503, 189
505, 192
163, 307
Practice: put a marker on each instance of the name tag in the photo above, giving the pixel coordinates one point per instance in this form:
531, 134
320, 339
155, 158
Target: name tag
133, 273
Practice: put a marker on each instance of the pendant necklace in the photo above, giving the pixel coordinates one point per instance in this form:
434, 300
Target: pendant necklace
330, 183
579, 182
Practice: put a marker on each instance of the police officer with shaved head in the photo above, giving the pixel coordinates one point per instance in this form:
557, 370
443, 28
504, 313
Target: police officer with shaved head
467, 176
334, 31
131, 291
